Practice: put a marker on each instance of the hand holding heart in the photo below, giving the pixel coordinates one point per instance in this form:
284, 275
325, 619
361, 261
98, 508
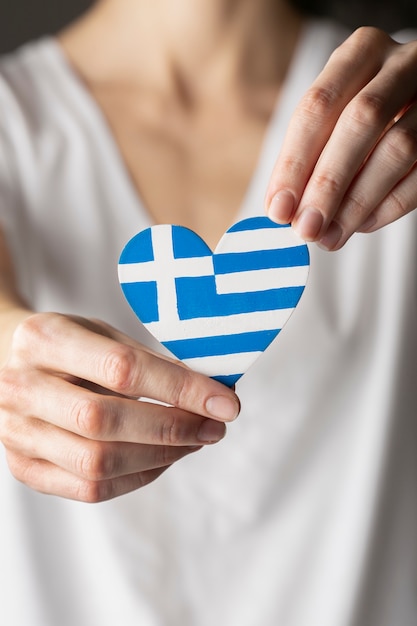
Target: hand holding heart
71, 422
70, 419
349, 159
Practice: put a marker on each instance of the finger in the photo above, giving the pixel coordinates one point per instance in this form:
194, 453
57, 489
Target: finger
401, 200
100, 417
54, 342
109, 331
88, 459
349, 69
47, 478
360, 127
392, 161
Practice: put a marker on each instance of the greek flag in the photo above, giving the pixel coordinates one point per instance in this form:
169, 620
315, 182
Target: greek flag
217, 312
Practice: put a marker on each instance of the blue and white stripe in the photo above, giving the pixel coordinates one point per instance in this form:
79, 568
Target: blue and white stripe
217, 312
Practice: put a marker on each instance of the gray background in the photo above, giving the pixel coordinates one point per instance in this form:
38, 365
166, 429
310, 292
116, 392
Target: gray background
21, 20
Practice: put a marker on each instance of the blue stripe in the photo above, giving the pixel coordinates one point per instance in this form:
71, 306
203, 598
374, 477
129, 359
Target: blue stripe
139, 249
143, 298
186, 244
197, 297
229, 381
221, 345
255, 223
260, 259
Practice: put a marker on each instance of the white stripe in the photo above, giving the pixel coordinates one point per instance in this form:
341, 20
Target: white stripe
163, 273
145, 272
261, 280
262, 239
218, 326
224, 364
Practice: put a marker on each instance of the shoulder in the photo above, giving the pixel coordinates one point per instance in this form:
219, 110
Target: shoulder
25, 76
39, 93
42, 111
25, 106
40, 121
29, 95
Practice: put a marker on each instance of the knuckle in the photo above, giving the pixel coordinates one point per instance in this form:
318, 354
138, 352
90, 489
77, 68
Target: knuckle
21, 467
14, 464
367, 38
356, 207
182, 388
328, 182
293, 166
171, 431
363, 42
398, 204
11, 386
367, 110
319, 101
8, 432
89, 418
31, 331
95, 462
93, 492
401, 144
166, 455
119, 366
147, 477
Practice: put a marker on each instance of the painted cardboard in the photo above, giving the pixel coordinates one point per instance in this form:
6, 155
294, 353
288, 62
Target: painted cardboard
216, 311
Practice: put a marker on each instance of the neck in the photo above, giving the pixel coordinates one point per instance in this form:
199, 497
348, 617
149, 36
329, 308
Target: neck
198, 44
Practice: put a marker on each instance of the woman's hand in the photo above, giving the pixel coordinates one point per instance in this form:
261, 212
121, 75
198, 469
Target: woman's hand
70, 418
349, 160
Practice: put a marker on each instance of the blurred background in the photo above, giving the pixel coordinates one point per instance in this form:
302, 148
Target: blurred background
22, 20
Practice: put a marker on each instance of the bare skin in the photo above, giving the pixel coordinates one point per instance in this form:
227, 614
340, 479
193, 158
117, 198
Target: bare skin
173, 113
189, 127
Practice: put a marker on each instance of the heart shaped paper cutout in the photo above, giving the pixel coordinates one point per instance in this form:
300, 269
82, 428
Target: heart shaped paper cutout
216, 312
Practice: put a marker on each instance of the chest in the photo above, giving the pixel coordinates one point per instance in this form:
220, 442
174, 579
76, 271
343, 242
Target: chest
193, 170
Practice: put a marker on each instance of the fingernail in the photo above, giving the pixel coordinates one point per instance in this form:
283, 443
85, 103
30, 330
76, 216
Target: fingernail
309, 224
331, 238
223, 408
368, 223
211, 431
282, 207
